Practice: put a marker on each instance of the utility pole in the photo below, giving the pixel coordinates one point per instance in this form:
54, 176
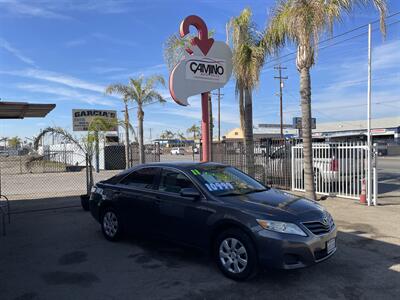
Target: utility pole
150, 135
280, 68
219, 112
369, 184
211, 126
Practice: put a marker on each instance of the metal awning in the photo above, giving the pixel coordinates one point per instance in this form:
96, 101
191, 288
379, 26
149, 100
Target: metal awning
21, 110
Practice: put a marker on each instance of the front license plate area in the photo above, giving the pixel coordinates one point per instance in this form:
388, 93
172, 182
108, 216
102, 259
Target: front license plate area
330, 245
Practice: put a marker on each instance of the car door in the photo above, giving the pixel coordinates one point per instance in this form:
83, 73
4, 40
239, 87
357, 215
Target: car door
136, 195
180, 218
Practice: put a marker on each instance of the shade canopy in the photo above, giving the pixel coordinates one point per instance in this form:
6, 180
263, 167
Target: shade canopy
21, 110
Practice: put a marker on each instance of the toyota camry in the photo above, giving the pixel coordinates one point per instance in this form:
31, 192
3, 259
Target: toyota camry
242, 223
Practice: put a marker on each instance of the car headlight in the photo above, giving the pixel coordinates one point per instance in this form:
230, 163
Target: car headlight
97, 190
281, 227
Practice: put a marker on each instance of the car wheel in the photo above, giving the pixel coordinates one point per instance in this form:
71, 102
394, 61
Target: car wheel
111, 225
235, 254
85, 202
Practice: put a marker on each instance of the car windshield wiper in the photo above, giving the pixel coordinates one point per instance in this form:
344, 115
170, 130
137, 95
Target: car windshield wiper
230, 194
242, 193
255, 191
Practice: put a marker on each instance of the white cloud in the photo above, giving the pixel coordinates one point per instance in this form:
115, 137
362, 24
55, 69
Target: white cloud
113, 40
106, 70
23, 8
158, 69
75, 43
66, 94
7, 46
57, 78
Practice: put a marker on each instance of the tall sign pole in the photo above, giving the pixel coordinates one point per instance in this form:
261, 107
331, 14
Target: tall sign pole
206, 66
369, 185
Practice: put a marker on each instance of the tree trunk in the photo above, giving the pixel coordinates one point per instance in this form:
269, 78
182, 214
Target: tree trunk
305, 94
248, 132
141, 142
126, 121
241, 108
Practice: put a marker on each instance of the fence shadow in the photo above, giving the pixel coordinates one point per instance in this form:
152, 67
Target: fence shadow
46, 203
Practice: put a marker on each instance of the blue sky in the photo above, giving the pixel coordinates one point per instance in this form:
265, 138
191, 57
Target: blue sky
67, 51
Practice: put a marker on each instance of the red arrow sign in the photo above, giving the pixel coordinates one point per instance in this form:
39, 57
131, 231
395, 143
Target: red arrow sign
202, 41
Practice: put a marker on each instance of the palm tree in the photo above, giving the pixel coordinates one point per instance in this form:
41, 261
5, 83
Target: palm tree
142, 92
248, 58
195, 130
181, 136
175, 46
88, 145
303, 22
124, 91
167, 134
14, 142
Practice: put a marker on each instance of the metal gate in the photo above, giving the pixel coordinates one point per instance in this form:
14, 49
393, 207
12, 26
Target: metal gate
272, 159
339, 168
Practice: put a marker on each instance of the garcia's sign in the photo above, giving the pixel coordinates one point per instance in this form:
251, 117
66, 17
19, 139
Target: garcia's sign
81, 118
206, 69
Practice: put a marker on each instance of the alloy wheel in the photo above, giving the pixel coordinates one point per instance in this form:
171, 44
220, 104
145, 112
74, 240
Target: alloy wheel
110, 223
233, 255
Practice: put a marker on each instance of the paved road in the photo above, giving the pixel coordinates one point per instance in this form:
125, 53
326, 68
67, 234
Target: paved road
389, 179
61, 254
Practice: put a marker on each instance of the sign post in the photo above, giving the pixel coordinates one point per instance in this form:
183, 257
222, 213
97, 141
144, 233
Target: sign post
206, 66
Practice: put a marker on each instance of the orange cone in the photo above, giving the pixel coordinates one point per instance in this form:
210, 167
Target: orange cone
363, 195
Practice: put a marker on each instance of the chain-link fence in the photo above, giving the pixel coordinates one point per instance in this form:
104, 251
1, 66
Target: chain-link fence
66, 170
272, 159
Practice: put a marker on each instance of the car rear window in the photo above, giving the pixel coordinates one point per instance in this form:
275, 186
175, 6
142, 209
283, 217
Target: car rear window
142, 178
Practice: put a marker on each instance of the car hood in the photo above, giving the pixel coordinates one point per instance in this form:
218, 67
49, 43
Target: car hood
280, 205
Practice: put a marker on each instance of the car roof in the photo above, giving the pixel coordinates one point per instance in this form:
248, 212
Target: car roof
180, 164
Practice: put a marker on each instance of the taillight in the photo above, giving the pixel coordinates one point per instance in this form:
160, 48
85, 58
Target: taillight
334, 164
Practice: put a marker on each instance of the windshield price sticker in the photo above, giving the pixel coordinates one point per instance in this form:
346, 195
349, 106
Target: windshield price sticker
195, 172
219, 186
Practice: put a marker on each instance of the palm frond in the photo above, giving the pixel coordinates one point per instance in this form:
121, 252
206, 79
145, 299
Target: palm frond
60, 132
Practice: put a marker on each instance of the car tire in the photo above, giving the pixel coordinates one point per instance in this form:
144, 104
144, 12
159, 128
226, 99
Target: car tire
85, 202
231, 259
111, 224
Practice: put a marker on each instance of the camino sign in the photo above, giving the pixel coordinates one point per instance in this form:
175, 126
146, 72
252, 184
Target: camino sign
206, 66
81, 118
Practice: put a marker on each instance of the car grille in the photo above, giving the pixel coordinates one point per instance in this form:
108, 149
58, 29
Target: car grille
319, 227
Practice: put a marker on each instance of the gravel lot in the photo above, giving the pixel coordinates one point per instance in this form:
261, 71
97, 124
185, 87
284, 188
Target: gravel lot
61, 254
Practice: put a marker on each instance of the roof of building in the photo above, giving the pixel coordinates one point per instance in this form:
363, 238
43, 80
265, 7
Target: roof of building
21, 110
358, 125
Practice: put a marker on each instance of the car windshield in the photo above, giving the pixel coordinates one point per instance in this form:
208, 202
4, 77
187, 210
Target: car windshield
226, 181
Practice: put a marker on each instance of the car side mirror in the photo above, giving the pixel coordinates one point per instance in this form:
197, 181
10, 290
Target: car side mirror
190, 193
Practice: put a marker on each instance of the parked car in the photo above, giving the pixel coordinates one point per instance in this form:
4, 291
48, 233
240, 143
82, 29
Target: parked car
381, 148
331, 162
243, 224
178, 151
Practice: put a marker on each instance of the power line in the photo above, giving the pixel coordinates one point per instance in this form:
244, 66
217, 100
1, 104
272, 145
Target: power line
347, 106
334, 37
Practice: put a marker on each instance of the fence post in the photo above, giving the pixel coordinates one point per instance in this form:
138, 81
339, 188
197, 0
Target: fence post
293, 175
20, 164
87, 174
375, 177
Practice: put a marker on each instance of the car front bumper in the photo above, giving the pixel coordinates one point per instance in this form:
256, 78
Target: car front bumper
287, 251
